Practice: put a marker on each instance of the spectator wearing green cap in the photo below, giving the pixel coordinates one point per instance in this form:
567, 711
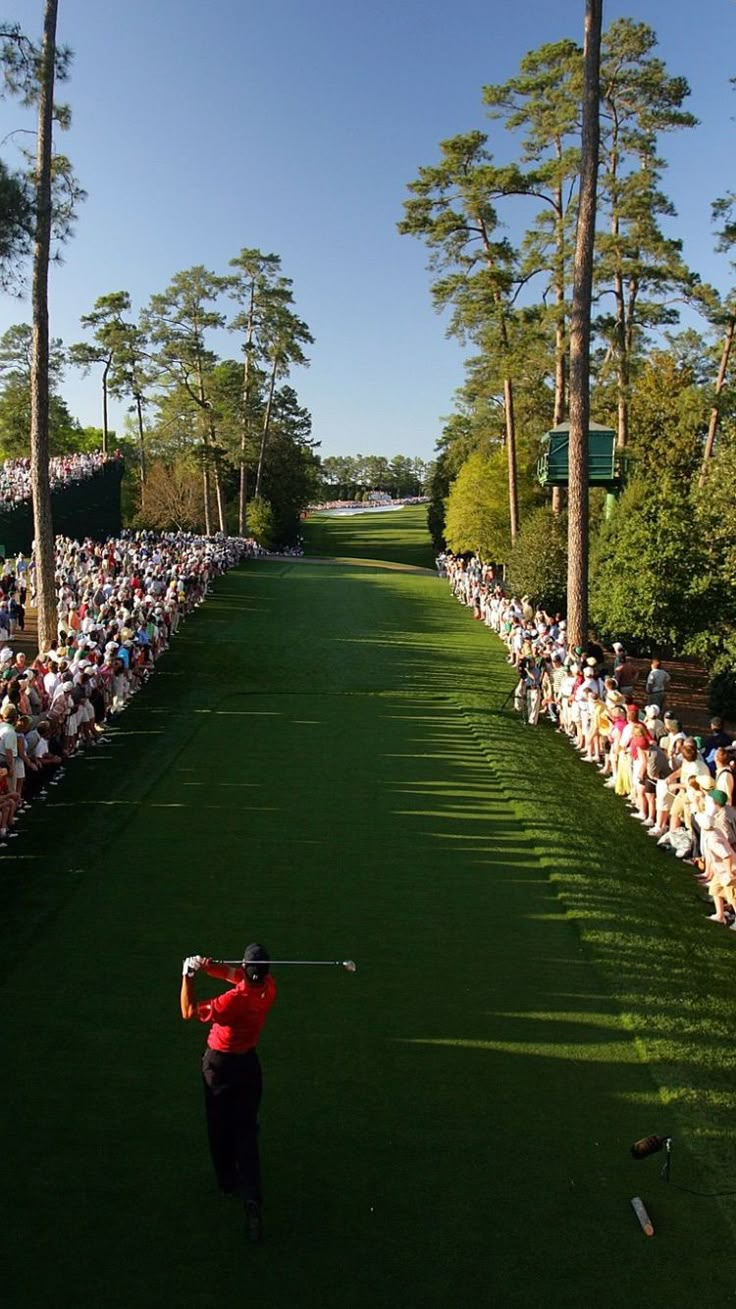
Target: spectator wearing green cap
724, 815
720, 868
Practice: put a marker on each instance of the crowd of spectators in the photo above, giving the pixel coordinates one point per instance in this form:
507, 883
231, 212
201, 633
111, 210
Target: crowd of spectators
374, 500
680, 787
15, 474
120, 603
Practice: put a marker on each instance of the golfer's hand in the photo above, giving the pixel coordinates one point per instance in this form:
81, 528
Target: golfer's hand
191, 965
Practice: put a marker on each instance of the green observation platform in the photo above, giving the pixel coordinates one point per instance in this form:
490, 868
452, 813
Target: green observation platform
605, 463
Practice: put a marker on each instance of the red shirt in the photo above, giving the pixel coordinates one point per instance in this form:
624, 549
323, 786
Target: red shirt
237, 1016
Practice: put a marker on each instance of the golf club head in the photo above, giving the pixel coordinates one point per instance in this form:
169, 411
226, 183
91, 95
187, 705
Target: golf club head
349, 965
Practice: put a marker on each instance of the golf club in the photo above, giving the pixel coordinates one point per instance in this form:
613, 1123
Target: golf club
348, 964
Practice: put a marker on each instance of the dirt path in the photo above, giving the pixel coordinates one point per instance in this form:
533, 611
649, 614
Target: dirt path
687, 696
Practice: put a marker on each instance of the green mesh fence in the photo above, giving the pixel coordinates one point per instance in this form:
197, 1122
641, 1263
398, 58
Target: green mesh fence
87, 508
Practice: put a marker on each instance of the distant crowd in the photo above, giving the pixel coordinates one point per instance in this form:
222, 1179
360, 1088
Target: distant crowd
374, 501
680, 787
15, 474
120, 604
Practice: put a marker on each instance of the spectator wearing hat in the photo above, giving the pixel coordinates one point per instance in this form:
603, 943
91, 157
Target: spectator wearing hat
595, 651
719, 860
653, 767
568, 686
9, 741
552, 688
535, 670
580, 715
685, 841
672, 798
654, 723
598, 726
523, 688
619, 656
34, 695
724, 814
35, 776
23, 765
20, 664
674, 733
614, 707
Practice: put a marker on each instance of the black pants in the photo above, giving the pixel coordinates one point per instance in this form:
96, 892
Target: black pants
232, 1094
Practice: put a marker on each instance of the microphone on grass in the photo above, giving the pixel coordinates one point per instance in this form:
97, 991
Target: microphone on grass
652, 1145
648, 1145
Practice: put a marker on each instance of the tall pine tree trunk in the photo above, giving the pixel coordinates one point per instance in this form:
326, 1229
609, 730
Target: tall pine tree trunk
619, 295
219, 492
42, 520
105, 372
622, 368
242, 487
715, 413
577, 563
508, 404
510, 416
206, 491
560, 391
266, 425
141, 447
244, 415
206, 449
220, 498
560, 413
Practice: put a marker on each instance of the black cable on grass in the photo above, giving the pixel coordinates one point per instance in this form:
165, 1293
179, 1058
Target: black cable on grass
652, 1145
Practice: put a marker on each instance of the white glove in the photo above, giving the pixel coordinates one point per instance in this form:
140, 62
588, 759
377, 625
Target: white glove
191, 965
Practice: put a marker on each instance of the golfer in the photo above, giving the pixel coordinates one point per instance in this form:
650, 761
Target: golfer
231, 1071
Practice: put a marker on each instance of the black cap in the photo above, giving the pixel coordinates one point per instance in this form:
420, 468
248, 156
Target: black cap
255, 962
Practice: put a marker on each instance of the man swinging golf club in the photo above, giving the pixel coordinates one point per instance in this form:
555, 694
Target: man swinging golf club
231, 1071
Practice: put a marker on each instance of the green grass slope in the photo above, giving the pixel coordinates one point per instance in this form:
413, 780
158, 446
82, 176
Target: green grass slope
398, 537
320, 764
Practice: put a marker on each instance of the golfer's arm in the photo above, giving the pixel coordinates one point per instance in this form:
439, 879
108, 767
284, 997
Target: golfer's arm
186, 998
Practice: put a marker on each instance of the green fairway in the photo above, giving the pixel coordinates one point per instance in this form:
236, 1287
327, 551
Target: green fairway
320, 764
399, 536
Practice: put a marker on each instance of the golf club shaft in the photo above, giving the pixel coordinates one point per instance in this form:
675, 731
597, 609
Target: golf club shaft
302, 963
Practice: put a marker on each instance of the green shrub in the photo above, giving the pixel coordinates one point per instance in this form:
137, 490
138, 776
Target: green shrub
261, 522
537, 563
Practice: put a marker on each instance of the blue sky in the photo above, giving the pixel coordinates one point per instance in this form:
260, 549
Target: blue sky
294, 126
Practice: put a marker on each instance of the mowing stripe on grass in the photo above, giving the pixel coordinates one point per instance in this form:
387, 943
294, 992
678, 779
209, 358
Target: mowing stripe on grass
448, 1125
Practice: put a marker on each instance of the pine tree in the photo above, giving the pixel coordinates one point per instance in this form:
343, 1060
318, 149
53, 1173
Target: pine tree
106, 322
452, 209
254, 286
577, 550
637, 265
543, 103
177, 322
723, 316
